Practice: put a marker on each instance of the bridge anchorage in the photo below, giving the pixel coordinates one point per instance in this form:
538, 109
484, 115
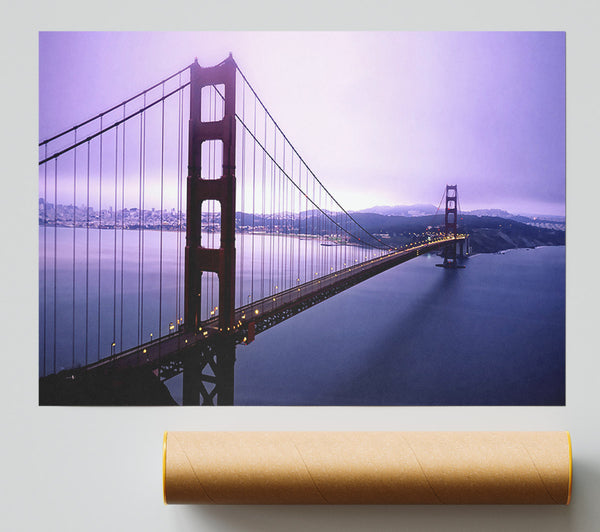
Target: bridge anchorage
297, 246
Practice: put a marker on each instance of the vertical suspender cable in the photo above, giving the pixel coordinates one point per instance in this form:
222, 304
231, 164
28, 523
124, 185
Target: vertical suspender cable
177, 266
211, 174
204, 211
182, 217
284, 222
45, 222
74, 240
305, 232
210, 204
213, 203
291, 226
270, 231
182, 221
336, 248
346, 242
262, 249
87, 256
99, 236
276, 199
253, 201
55, 230
272, 260
122, 229
143, 222
326, 255
281, 221
337, 241
115, 210
139, 276
162, 173
315, 230
243, 194
180, 206
299, 218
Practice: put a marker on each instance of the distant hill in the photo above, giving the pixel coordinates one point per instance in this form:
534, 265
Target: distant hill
499, 213
491, 212
419, 209
545, 217
488, 234
416, 210
423, 209
525, 218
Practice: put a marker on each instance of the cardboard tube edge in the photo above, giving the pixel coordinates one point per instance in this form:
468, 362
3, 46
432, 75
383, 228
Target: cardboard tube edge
570, 467
164, 468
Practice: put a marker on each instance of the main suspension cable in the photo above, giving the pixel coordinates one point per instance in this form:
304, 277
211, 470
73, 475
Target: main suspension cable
299, 156
114, 108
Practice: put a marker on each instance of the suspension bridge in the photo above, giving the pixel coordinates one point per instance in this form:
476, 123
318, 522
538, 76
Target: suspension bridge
122, 290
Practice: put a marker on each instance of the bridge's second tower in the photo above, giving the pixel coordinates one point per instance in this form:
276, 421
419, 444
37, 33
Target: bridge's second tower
451, 225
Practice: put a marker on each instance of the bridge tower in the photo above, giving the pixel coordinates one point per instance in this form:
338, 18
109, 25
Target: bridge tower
198, 259
451, 225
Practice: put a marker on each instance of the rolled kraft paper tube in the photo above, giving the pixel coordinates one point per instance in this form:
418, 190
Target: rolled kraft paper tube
367, 467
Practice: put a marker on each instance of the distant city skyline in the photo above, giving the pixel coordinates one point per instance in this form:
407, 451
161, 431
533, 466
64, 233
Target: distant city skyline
383, 208
383, 118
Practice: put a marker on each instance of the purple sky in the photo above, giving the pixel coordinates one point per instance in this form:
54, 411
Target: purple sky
382, 118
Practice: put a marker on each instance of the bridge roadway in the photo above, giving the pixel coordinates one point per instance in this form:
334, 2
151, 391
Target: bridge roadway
260, 315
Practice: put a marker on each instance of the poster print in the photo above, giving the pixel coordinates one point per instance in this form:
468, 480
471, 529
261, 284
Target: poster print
302, 218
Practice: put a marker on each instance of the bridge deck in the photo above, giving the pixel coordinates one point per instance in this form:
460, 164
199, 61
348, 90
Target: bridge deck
262, 314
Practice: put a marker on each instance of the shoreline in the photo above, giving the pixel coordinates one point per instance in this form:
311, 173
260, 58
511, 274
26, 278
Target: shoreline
262, 233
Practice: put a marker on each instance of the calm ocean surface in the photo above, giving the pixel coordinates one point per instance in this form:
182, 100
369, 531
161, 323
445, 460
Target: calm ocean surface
492, 333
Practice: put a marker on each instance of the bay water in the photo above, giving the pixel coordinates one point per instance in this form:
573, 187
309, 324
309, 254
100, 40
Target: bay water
492, 333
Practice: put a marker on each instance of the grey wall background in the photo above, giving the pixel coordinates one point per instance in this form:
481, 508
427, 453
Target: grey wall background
100, 468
